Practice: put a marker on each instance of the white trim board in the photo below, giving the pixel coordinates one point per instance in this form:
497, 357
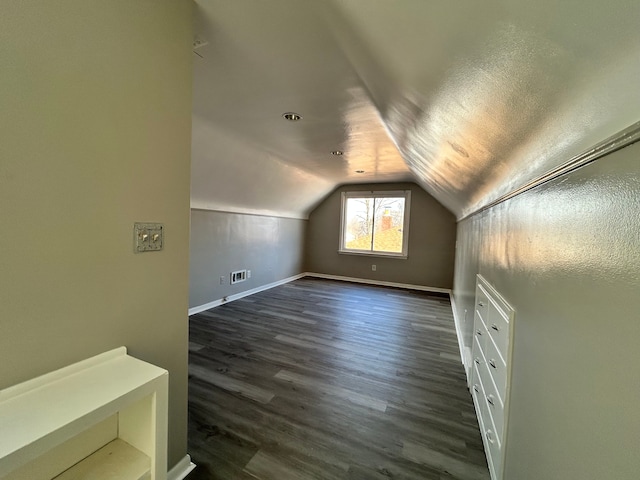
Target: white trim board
617, 141
246, 293
248, 211
456, 322
181, 469
383, 283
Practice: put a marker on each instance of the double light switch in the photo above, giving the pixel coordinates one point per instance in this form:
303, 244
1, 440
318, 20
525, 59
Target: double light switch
148, 237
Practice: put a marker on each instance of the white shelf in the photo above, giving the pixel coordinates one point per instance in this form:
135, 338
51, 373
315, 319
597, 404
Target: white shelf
117, 460
119, 395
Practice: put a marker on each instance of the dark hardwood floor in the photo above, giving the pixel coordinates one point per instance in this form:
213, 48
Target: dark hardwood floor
319, 379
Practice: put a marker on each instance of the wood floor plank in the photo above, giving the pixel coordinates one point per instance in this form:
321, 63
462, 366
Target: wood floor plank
232, 384
326, 380
295, 318
420, 454
350, 395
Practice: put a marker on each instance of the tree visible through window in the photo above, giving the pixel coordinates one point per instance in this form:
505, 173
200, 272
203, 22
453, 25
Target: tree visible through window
375, 223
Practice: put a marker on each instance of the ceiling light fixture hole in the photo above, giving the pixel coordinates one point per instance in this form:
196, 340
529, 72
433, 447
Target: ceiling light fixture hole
292, 116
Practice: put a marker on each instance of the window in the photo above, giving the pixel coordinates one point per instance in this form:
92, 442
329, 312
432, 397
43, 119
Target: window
375, 223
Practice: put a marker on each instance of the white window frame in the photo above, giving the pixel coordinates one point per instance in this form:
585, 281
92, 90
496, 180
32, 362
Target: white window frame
376, 194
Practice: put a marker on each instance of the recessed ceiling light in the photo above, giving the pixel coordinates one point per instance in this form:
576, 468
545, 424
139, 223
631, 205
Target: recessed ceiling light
359, 171
292, 117
337, 152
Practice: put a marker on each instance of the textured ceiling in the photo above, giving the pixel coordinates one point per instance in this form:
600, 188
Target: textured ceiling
469, 99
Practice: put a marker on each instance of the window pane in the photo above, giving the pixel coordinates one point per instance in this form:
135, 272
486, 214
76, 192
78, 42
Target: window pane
358, 223
389, 220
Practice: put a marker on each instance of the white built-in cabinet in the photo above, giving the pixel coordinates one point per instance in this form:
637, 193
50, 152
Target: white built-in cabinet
102, 418
490, 377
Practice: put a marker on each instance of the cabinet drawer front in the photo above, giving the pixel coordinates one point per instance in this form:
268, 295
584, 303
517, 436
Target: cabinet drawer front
480, 396
494, 405
482, 303
497, 324
498, 369
477, 353
487, 428
495, 453
480, 334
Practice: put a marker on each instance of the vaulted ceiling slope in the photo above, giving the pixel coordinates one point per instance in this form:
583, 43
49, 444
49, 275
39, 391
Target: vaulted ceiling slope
469, 99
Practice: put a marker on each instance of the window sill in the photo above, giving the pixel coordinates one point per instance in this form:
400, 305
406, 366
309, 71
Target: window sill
399, 256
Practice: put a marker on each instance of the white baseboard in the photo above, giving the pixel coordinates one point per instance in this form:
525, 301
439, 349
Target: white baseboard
181, 469
467, 363
465, 352
379, 282
456, 321
246, 293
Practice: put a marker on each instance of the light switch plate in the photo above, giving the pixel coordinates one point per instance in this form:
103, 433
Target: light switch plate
148, 237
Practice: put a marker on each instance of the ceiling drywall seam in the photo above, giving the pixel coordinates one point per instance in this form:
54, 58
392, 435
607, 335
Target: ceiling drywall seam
616, 142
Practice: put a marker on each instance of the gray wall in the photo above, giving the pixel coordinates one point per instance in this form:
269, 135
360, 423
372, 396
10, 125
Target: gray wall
95, 126
221, 242
432, 236
566, 255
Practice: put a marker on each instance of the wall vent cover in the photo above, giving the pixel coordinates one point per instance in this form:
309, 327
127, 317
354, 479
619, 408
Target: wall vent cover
238, 276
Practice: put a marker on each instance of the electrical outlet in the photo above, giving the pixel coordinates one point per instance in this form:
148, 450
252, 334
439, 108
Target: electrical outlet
221, 279
248, 273
465, 315
373, 268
